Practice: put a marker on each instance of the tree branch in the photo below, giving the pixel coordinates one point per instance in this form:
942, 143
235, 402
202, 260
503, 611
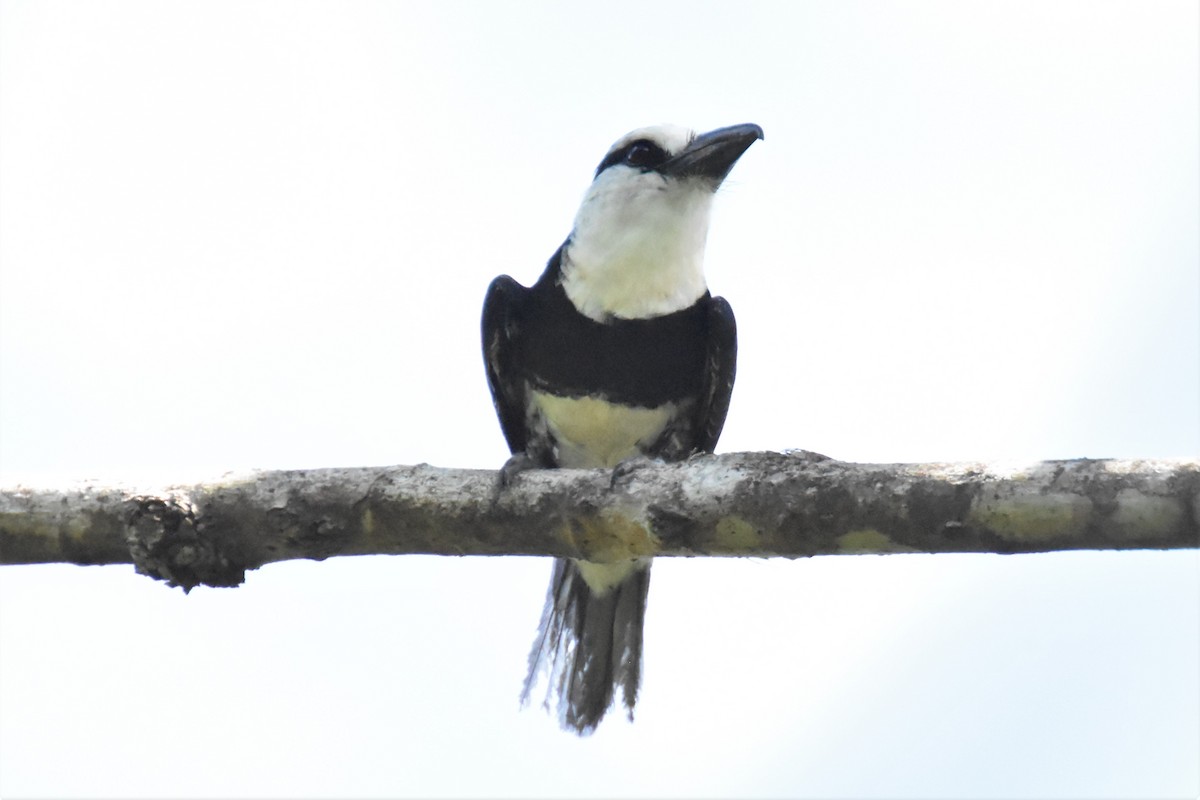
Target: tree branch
738, 504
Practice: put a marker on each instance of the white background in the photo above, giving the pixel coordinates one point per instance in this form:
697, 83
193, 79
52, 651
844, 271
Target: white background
258, 234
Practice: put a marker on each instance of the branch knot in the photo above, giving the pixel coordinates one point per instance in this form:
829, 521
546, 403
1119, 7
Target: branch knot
168, 542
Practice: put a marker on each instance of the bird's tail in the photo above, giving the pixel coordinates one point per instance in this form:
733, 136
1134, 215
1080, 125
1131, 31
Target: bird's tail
590, 644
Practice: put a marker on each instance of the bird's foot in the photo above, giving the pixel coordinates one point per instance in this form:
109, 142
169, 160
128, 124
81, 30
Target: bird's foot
625, 469
806, 455
516, 464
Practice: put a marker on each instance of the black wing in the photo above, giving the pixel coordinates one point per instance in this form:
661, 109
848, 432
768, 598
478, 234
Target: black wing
501, 329
720, 365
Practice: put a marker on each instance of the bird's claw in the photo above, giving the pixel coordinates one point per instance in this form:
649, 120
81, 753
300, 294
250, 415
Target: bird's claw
516, 464
625, 469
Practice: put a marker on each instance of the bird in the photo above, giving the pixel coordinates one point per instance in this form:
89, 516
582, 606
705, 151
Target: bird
618, 352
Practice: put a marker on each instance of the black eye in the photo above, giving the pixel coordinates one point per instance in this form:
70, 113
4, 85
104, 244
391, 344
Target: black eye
644, 154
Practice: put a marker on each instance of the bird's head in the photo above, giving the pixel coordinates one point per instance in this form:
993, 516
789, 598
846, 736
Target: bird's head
637, 247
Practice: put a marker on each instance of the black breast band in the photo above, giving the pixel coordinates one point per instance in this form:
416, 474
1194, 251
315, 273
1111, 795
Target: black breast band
641, 362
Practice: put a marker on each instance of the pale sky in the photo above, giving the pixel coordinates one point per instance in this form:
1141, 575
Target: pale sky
258, 235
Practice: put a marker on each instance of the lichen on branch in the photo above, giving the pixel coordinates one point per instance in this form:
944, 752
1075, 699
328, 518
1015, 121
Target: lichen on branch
736, 504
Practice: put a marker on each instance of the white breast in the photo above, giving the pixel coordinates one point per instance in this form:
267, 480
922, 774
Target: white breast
637, 248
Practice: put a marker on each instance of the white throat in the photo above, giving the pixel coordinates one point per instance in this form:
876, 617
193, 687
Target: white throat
637, 249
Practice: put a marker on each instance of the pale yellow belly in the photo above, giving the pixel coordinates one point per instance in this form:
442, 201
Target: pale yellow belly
591, 433
594, 433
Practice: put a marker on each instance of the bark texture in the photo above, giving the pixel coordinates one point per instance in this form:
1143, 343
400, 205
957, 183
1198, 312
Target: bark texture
737, 504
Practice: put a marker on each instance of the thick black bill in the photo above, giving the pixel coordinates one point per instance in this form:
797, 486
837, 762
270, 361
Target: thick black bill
712, 155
